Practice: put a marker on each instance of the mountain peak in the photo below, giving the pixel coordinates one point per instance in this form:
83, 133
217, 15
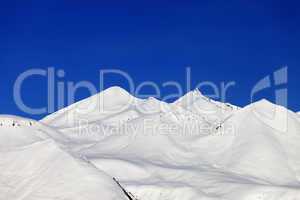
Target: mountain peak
115, 90
197, 91
264, 102
189, 97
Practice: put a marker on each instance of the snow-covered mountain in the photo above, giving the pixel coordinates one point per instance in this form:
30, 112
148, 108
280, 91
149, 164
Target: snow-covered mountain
194, 148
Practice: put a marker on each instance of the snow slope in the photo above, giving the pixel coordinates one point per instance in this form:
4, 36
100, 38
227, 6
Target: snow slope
214, 112
108, 103
34, 167
194, 148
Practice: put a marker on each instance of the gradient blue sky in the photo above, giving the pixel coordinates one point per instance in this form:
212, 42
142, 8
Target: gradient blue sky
242, 41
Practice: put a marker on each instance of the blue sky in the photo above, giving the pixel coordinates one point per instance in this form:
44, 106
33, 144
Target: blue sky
240, 41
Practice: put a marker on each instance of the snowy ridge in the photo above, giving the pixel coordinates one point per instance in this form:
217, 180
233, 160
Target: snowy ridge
194, 148
109, 102
214, 112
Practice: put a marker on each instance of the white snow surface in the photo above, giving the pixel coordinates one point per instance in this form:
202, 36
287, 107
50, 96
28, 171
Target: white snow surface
35, 167
193, 149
